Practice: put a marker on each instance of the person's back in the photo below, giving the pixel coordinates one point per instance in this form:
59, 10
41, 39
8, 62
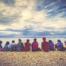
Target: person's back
59, 45
45, 45
1, 46
35, 45
20, 46
13, 46
64, 45
27, 46
6, 47
51, 45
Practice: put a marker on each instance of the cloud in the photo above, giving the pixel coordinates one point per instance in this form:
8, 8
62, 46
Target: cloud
21, 10
33, 18
53, 7
8, 2
28, 32
8, 20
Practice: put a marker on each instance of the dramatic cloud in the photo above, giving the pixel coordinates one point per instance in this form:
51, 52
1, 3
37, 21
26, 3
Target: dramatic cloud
53, 7
8, 2
32, 17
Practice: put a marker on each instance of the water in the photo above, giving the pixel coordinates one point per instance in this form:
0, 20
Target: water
31, 40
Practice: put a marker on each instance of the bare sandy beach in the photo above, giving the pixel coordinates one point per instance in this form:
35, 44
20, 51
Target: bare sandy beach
55, 58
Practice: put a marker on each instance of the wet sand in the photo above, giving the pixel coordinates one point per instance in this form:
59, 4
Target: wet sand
55, 58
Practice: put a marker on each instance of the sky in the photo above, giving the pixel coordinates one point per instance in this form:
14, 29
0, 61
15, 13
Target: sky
32, 18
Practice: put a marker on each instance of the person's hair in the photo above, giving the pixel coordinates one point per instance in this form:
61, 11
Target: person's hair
59, 40
28, 40
0, 42
19, 40
44, 38
7, 42
35, 39
50, 40
64, 41
13, 41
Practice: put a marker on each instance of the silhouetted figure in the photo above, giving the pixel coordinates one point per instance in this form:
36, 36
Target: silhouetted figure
55, 46
51, 45
45, 45
64, 45
20, 46
6, 47
13, 46
1, 46
35, 45
27, 45
59, 45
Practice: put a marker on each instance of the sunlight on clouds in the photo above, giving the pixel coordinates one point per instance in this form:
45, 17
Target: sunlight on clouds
28, 16
56, 24
2, 27
6, 11
39, 17
25, 15
16, 9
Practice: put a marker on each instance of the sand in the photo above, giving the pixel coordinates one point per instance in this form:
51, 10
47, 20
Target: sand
55, 58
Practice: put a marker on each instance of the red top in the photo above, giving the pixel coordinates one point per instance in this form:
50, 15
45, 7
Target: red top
45, 46
27, 46
35, 45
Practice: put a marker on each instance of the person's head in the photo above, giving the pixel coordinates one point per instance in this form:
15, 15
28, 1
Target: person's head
7, 43
35, 40
44, 39
50, 41
28, 40
19, 40
0, 42
13, 41
65, 42
58, 40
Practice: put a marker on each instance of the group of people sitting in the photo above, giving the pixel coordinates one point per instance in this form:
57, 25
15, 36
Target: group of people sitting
27, 46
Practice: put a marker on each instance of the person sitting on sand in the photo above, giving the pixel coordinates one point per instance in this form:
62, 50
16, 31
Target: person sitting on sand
45, 45
35, 45
20, 46
13, 46
1, 46
64, 45
6, 47
59, 45
51, 45
27, 45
